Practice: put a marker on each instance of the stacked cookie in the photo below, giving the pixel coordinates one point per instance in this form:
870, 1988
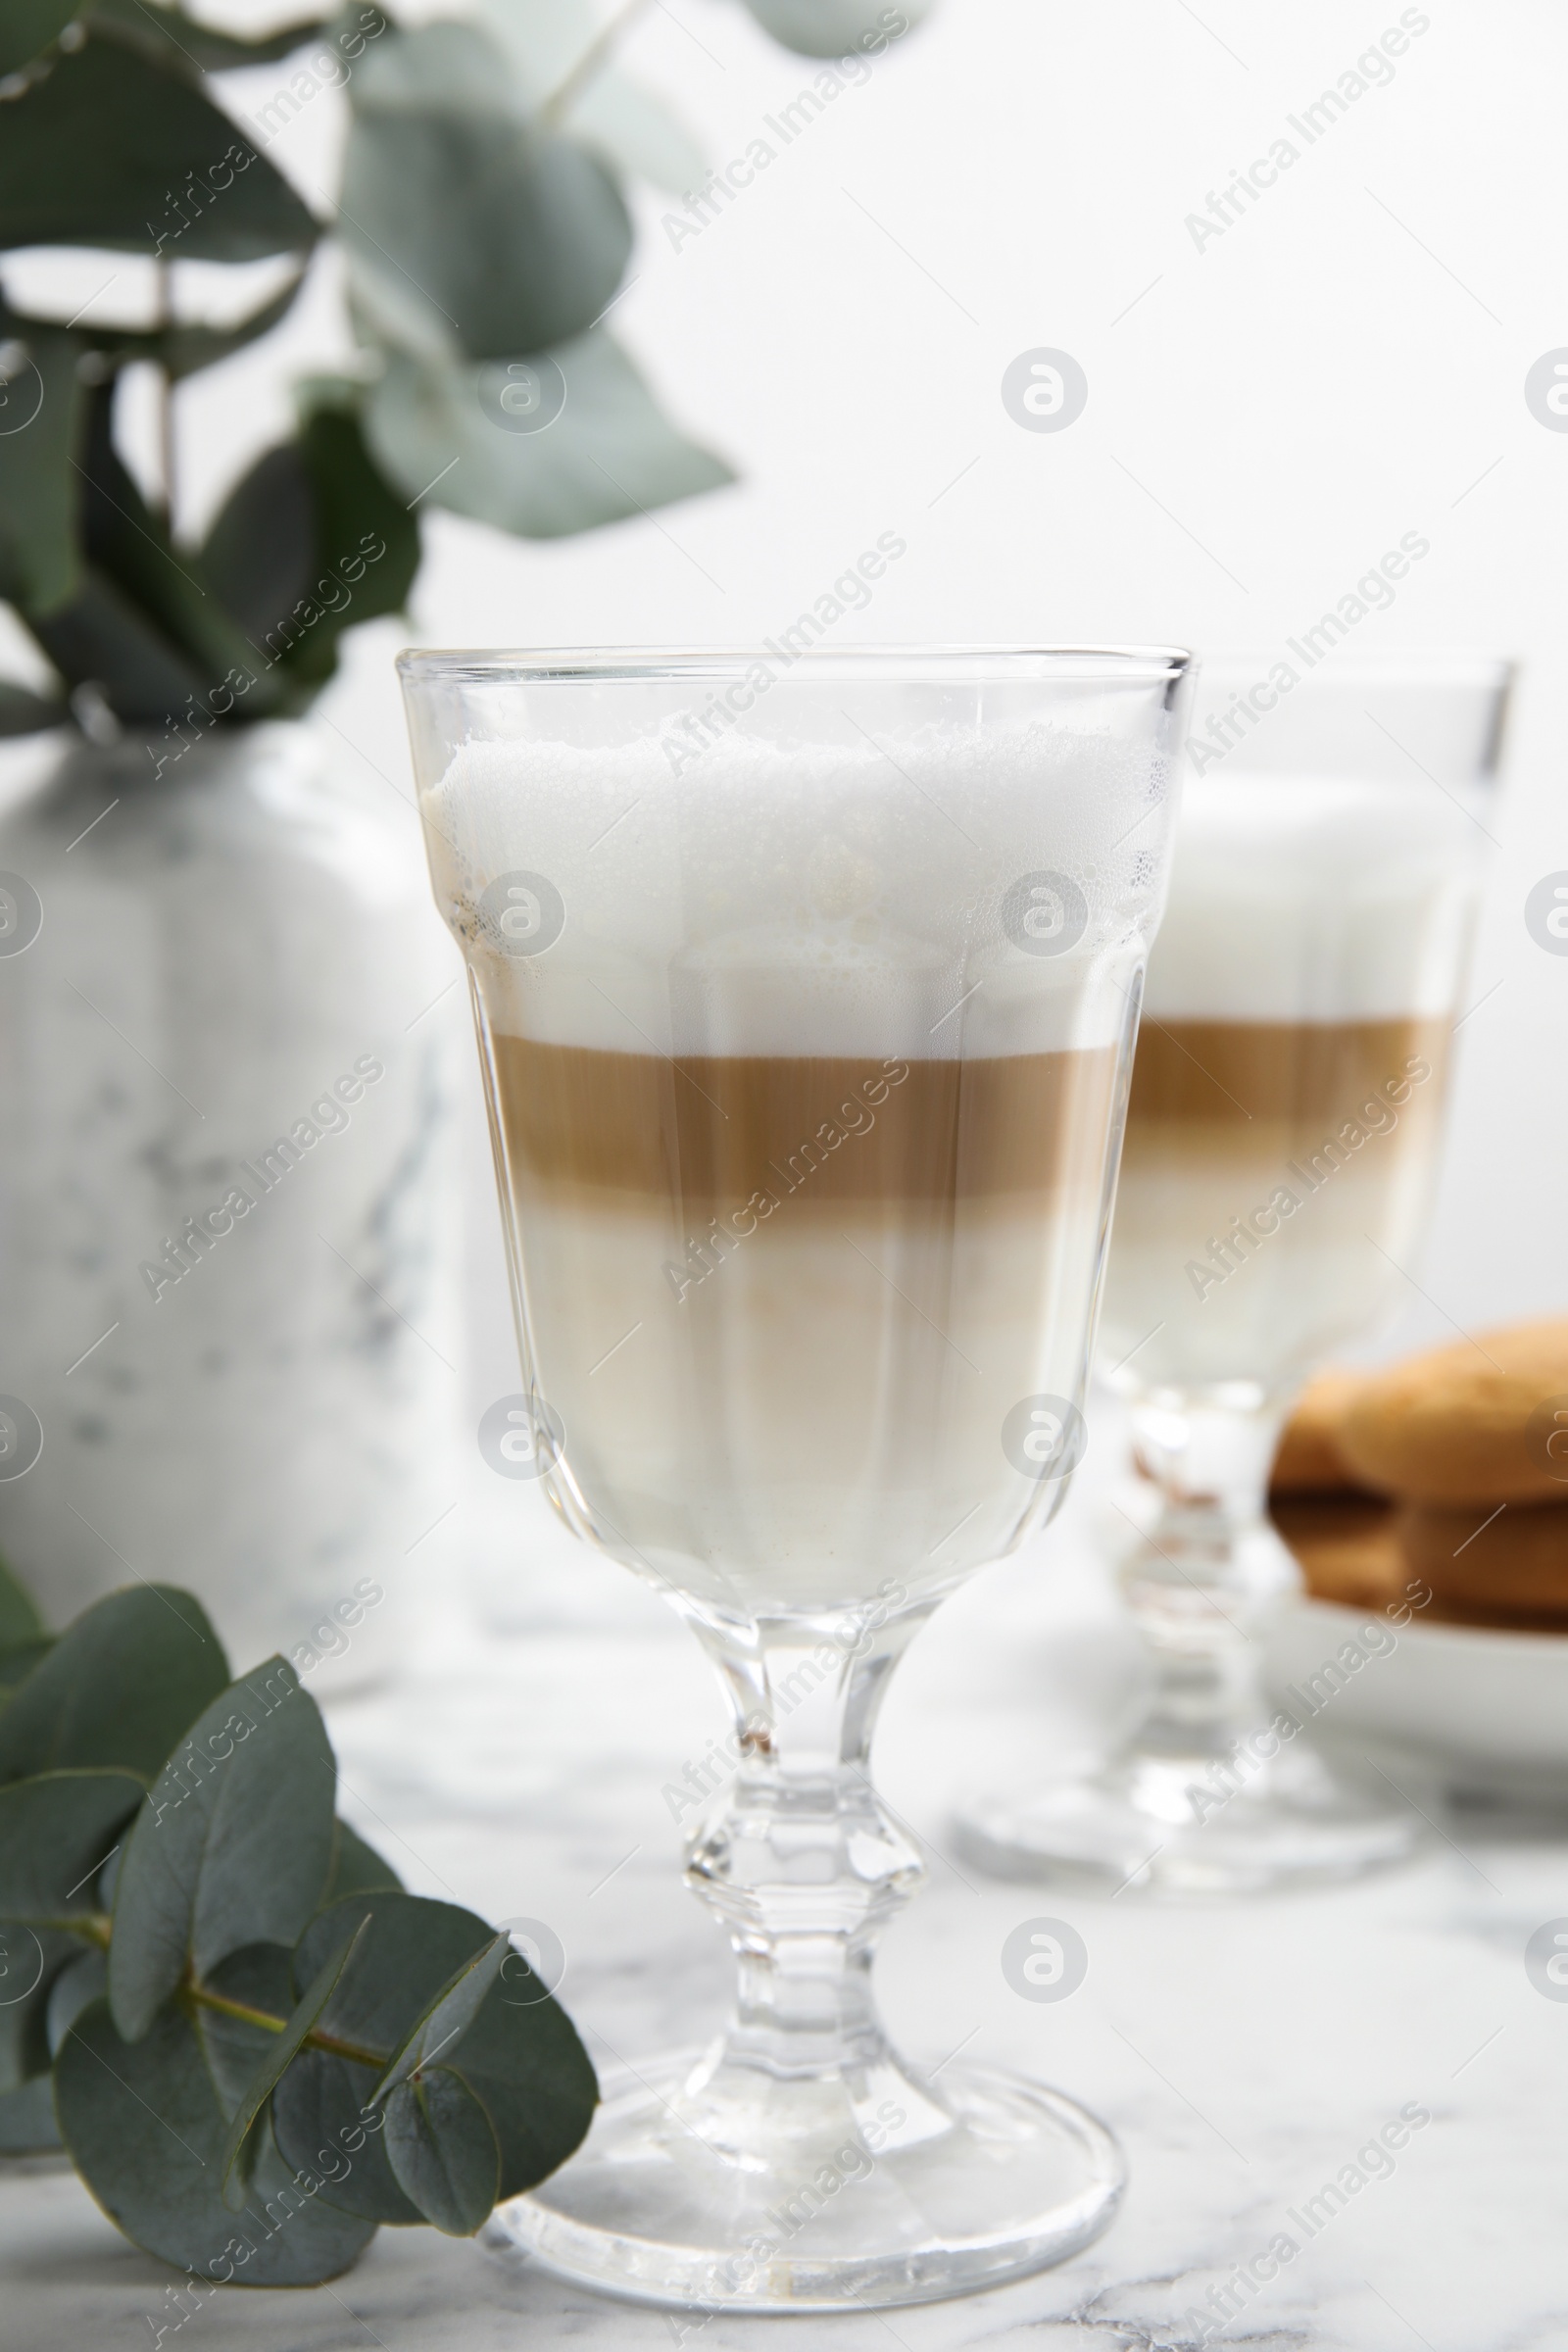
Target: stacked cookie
1451, 1468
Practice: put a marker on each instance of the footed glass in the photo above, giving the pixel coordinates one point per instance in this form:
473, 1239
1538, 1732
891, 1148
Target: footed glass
806, 993
1282, 1142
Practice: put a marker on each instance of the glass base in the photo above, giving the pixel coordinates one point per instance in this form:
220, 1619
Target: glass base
1164, 1825
732, 2191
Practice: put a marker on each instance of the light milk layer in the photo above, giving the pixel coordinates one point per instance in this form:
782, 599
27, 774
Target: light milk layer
832, 900
1316, 898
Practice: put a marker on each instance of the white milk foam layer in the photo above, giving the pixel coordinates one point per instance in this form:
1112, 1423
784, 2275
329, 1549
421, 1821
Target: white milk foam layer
1316, 898
830, 900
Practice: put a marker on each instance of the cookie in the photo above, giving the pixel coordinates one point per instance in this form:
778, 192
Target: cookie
1514, 1566
1480, 1423
1349, 1549
1310, 1460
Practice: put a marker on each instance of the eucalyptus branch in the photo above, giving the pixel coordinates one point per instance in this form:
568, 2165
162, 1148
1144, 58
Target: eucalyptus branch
234, 1846
203, 1998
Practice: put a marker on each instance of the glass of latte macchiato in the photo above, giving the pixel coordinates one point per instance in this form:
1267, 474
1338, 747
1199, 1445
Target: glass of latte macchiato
1281, 1141
806, 989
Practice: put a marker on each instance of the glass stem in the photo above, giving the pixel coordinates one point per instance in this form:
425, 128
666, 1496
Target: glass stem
1204, 1570
800, 1858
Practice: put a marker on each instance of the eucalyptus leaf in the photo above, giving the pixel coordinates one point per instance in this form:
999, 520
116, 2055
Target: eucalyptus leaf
610, 452
109, 147
231, 1845
441, 2146
835, 27
20, 1621
27, 2125
523, 2059
311, 542
285, 2047
356, 1868
411, 1950
516, 235
102, 639
55, 1833
118, 1688
31, 1961
42, 424
124, 540
447, 2017
522, 2056
322, 2117
171, 37
253, 1985
545, 42
636, 131
559, 61
24, 713
29, 26
82, 1979
414, 1951
258, 552
146, 2128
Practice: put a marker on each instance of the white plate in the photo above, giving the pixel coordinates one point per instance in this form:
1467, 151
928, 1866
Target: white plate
1487, 1710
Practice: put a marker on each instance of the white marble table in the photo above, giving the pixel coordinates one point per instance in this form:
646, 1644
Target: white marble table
1244, 2053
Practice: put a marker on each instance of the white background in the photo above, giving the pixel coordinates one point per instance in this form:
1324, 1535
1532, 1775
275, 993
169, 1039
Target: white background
1265, 417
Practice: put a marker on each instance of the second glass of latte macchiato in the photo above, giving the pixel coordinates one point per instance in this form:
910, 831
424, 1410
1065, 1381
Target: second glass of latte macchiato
1281, 1141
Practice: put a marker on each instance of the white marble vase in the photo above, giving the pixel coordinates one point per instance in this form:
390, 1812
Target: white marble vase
229, 1227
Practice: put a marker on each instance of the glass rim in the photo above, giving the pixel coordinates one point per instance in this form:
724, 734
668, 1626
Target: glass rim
1423, 665
912, 664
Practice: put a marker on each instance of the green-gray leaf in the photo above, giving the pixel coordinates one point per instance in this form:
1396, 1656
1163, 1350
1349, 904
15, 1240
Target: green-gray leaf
101, 635
122, 538
31, 1961
311, 542
523, 2059
411, 1950
231, 1845
441, 2147
146, 2128
22, 713
356, 1869
56, 1834
520, 2057
29, 26
42, 420
836, 28
448, 2017
240, 2148
27, 2125
82, 1979
109, 148
256, 1979
516, 236
170, 38
610, 453
20, 1620
321, 2116
119, 1687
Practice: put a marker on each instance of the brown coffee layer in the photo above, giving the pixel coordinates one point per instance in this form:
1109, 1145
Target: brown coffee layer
717, 1129
1311, 1074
